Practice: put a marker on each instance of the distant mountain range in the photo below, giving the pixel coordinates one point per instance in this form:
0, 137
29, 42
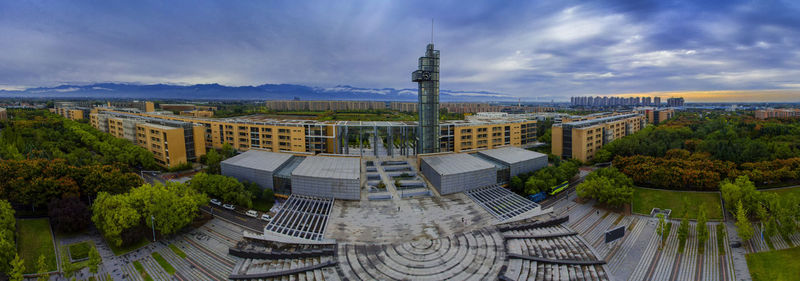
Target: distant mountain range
261, 92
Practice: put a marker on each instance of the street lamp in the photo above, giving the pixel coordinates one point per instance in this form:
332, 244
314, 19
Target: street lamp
153, 223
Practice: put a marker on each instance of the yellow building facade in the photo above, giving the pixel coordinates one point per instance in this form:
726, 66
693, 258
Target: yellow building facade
581, 139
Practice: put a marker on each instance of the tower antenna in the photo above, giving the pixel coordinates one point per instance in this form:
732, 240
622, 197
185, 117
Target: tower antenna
431, 30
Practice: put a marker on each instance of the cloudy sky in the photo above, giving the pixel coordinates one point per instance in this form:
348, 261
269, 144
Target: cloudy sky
538, 50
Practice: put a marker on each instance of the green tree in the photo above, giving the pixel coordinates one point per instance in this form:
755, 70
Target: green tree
744, 228
683, 232
227, 189
547, 136
607, 186
742, 189
213, 160
113, 214
7, 230
41, 267
602, 156
67, 268
17, 269
702, 228
661, 228
268, 195
94, 260
227, 151
516, 184
173, 205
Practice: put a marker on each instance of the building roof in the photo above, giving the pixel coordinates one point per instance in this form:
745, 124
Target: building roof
511, 154
259, 159
157, 126
601, 120
456, 163
329, 167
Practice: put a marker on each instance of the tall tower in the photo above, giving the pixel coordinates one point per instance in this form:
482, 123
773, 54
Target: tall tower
428, 78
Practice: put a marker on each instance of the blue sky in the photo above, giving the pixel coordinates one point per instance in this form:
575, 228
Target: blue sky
538, 50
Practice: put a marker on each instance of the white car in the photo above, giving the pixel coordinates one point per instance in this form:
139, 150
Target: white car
228, 206
216, 202
266, 217
252, 213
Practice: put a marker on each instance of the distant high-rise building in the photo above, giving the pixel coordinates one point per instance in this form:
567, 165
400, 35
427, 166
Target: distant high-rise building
674, 102
657, 101
427, 75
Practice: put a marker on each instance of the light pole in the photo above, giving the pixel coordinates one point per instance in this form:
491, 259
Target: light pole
153, 223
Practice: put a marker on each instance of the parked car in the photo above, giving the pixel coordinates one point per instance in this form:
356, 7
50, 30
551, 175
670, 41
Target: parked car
266, 217
216, 202
251, 213
229, 207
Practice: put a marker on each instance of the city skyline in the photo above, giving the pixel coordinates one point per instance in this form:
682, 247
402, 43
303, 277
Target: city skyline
540, 51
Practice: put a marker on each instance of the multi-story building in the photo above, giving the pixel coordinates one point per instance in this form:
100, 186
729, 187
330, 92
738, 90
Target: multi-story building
293, 105
616, 101
340, 137
675, 102
146, 106
656, 116
581, 139
73, 110
172, 142
185, 107
777, 113
197, 113
3, 114
403, 106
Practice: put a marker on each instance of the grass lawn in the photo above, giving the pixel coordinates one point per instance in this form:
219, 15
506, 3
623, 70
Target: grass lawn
76, 265
645, 200
140, 269
124, 249
794, 192
34, 239
177, 251
775, 265
79, 250
164, 264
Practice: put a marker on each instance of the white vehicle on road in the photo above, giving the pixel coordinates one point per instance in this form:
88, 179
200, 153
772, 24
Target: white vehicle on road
266, 217
252, 213
229, 207
216, 202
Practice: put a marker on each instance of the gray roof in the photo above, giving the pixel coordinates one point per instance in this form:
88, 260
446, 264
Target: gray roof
511, 154
329, 167
258, 159
456, 163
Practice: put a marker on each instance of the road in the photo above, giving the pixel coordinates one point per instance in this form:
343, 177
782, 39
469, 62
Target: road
569, 190
252, 224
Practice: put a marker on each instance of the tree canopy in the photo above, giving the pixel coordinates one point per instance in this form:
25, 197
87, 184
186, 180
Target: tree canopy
607, 186
225, 188
173, 206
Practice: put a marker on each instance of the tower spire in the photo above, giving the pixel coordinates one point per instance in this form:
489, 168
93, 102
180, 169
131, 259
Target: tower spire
431, 30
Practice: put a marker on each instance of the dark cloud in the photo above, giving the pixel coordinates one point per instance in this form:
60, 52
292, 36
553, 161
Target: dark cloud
530, 49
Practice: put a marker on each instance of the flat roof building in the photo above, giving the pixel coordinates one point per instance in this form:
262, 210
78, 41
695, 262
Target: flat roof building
581, 140
451, 173
255, 166
518, 160
336, 177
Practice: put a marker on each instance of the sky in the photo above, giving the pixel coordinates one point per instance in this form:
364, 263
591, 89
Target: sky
536, 50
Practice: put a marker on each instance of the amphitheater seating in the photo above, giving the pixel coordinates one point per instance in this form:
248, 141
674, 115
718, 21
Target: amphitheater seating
264, 260
547, 250
474, 255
